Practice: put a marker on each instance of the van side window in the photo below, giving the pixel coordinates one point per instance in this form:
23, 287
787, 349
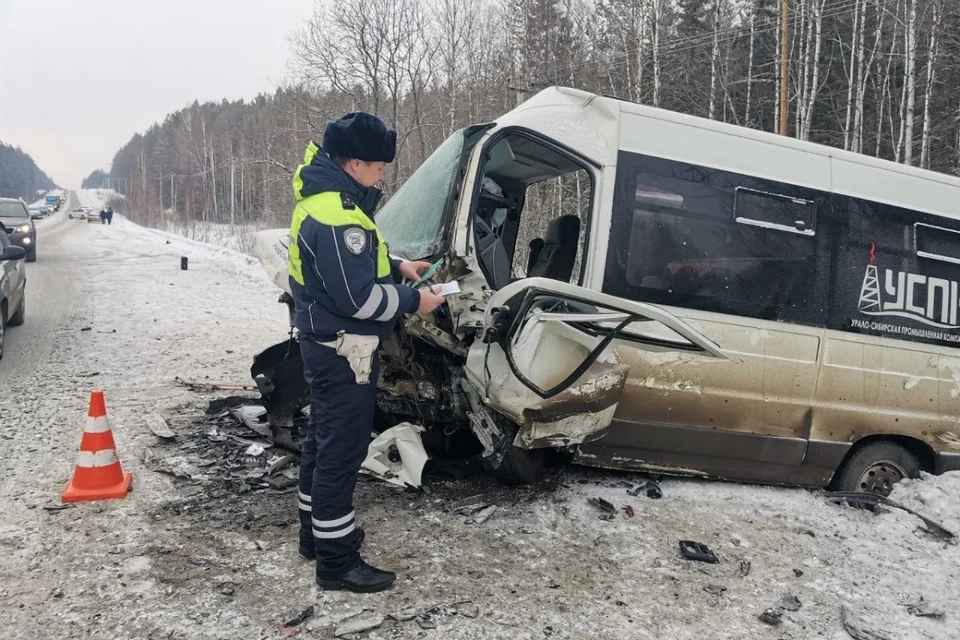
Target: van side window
775, 211
937, 243
675, 240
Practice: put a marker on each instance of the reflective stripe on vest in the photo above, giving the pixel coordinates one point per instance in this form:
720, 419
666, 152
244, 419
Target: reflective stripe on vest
327, 208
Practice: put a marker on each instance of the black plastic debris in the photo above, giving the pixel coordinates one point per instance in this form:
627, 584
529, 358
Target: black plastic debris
299, 619
697, 551
745, 567
798, 573
650, 488
603, 505
860, 499
772, 616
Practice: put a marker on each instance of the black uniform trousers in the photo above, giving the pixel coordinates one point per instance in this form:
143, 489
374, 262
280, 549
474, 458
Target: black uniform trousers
336, 443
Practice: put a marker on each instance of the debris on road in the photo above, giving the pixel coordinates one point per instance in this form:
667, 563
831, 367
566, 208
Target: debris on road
279, 463
158, 426
696, 551
299, 619
629, 511
358, 624
856, 497
254, 450
603, 505
714, 589
858, 630
214, 386
404, 615
798, 573
923, 609
790, 602
745, 567
650, 488
58, 507
168, 467
471, 505
397, 456
772, 616
483, 515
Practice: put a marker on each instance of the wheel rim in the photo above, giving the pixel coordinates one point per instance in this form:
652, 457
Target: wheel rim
880, 477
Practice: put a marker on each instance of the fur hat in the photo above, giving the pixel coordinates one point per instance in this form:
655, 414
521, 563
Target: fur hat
360, 136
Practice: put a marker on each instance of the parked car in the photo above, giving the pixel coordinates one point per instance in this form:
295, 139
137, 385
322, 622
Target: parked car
78, 214
18, 224
93, 216
13, 284
652, 291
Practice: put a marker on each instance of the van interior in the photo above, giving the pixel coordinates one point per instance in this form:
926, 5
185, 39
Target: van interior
532, 212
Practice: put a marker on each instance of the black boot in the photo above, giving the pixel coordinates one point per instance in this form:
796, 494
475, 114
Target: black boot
310, 553
361, 579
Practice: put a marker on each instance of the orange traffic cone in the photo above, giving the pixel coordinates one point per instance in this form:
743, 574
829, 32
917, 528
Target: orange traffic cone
98, 475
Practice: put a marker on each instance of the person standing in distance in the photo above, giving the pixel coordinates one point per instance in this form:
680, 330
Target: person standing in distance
347, 300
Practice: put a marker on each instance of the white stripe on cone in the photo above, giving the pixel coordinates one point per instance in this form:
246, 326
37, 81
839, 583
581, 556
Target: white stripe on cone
97, 425
103, 458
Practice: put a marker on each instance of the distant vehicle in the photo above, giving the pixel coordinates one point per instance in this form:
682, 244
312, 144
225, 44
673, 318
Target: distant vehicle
15, 220
93, 216
13, 285
52, 200
36, 213
77, 214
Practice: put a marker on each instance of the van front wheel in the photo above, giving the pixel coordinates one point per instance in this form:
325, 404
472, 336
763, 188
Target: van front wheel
876, 468
520, 466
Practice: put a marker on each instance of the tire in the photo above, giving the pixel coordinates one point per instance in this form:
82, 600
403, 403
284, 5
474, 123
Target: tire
32, 255
876, 468
520, 466
20, 316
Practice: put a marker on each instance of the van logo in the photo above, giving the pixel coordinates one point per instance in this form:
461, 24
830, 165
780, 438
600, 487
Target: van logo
932, 301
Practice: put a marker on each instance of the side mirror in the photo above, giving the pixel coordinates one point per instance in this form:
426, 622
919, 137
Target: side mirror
12, 253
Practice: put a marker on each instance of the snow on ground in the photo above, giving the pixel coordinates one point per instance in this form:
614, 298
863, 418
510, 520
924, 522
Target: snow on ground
192, 559
95, 198
238, 237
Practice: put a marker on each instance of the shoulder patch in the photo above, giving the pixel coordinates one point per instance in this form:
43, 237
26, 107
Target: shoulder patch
356, 240
347, 201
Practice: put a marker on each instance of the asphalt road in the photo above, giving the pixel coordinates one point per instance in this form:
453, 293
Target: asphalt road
51, 293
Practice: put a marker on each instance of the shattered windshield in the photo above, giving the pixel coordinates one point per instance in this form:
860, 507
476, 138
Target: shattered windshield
411, 220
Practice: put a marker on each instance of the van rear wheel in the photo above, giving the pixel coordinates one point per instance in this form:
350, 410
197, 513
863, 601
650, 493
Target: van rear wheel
877, 467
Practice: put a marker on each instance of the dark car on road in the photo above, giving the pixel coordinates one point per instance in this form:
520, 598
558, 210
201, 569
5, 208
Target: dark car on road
15, 220
13, 285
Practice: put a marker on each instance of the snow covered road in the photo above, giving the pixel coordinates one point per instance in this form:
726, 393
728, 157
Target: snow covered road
182, 559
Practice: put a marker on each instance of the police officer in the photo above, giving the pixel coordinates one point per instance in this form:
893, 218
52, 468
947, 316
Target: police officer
347, 299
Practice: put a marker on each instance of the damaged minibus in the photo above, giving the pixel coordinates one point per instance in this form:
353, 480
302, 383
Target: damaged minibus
652, 291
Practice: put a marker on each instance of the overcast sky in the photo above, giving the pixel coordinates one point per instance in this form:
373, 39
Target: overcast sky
79, 77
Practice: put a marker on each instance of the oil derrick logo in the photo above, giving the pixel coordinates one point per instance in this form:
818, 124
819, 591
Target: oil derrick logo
870, 291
